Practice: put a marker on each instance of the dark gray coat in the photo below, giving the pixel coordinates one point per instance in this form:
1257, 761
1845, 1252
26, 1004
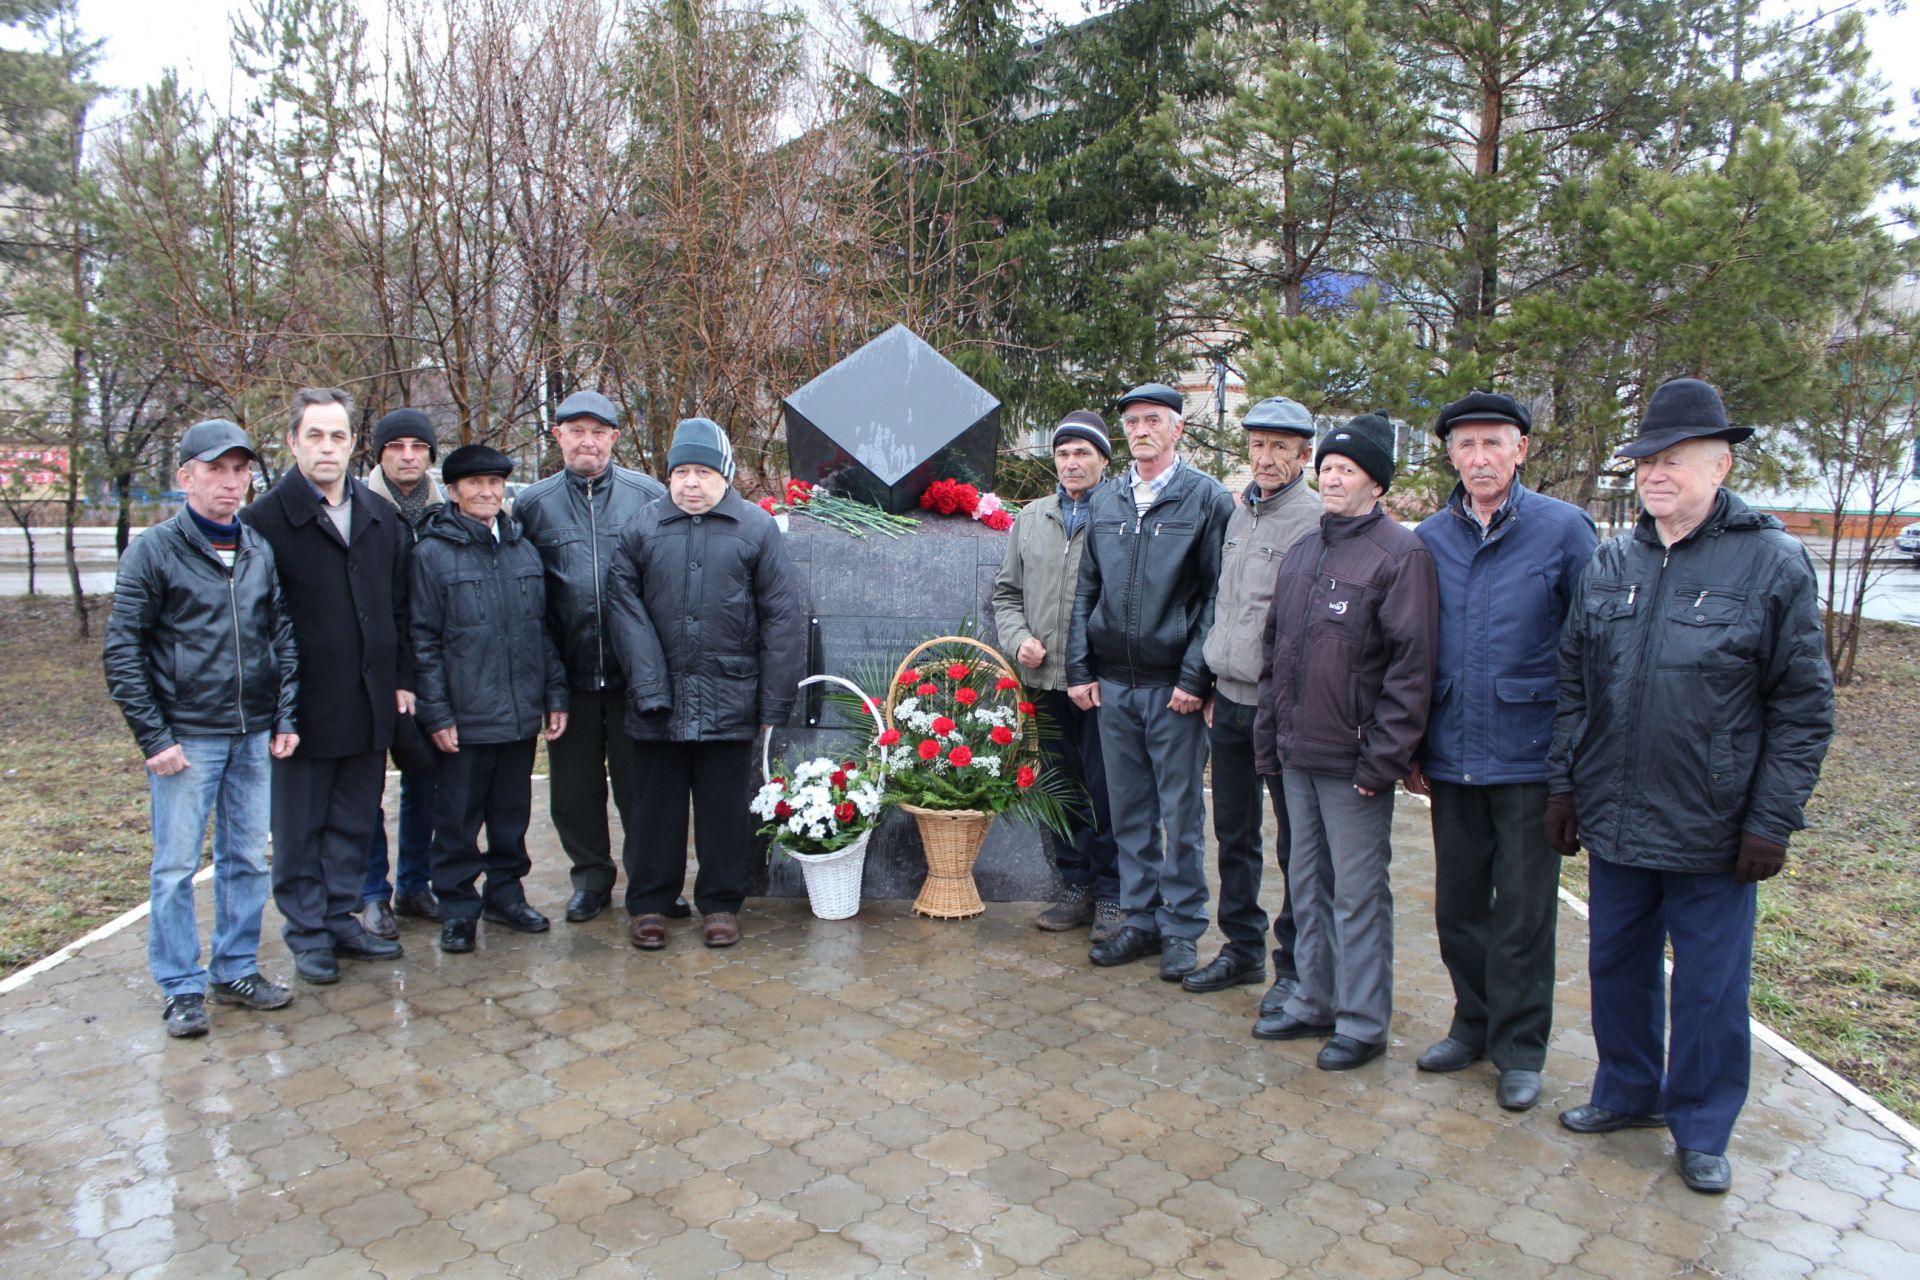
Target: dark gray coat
1695, 699
706, 622
194, 647
481, 652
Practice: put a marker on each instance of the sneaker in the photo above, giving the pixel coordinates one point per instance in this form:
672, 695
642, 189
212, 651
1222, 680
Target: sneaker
1072, 909
252, 992
186, 1016
1108, 920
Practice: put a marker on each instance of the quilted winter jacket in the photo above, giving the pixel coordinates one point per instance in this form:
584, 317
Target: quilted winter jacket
1695, 697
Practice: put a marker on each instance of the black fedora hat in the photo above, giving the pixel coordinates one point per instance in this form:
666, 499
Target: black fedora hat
1682, 409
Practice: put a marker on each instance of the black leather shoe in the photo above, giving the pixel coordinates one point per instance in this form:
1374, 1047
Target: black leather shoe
419, 906
680, 910
517, 916
1448, 1055
1709, 1175
1274, 1002
1518, 1089
1344, 1053
317, 967
1126, 946
457, 935
1589, 1118
1226, 970
586, 904
1284, 1026
366, 947
1178, 958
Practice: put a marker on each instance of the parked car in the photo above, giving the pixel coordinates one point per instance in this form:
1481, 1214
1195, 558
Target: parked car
1908, 542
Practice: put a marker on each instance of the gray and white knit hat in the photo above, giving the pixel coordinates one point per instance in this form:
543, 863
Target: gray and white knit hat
700, 441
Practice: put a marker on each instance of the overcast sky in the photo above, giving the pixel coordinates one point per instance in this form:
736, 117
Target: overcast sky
144, 37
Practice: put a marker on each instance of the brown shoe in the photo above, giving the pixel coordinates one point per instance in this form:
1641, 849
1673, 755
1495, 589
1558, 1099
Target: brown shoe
649, 933
722, 928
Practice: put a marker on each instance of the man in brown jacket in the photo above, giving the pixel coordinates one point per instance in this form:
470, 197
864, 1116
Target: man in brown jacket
1344, 695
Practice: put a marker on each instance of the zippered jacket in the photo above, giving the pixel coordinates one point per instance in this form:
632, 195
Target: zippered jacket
576, 522
482, 656
1350, 645
1033, 592
194, 647
1502, 600
1258, 537
1695, 698
1147, 586
706, 618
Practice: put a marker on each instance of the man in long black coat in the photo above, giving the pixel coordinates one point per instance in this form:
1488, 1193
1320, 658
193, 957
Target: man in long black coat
343, 574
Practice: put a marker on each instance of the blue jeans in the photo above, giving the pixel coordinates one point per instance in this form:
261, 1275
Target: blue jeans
415, 863
227, 776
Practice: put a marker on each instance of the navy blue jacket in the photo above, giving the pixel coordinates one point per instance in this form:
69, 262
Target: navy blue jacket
1502, 601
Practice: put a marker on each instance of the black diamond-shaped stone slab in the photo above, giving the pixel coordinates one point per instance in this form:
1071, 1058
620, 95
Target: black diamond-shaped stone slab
889, 420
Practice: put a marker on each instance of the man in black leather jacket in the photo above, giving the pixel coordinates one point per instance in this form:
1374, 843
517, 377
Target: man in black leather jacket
575, 517
489, 681
200, 656
1148, 578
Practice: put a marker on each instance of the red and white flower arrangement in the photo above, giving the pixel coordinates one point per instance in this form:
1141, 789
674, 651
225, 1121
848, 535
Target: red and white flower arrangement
963, 738
951, 497
820, 805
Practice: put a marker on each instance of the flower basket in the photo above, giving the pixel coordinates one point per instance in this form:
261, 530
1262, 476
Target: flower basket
833, 873
952, 839
833, 879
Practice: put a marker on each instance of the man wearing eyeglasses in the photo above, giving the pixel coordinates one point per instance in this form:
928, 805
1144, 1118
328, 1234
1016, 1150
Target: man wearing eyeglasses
575, 517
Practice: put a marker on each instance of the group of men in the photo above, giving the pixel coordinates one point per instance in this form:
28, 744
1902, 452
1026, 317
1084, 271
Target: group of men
268, 656
1663, 699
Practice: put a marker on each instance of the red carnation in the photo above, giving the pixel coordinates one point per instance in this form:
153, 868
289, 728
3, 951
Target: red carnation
839, 778
958, 671
1024, 778
1005, 683
942, 726
965, 498
926, 691
1001, 734
997, 520
799, 493
907, 677
766, 505
929, 749
844, 811
965, 697
780, 782
783, 810
1026, 708
960, 757
848, 765
888, 737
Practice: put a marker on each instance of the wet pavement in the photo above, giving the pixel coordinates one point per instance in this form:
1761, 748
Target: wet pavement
886, 1096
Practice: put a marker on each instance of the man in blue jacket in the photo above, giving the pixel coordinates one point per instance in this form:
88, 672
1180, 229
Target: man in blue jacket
1507, 560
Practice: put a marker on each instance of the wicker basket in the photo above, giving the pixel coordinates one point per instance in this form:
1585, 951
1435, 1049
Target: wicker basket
833, 879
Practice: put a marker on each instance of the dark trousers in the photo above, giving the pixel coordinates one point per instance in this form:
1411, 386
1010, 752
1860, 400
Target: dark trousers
594, 747
1072, 746
718, 777
481, 785
1495, 906
1700, 1078
324, 812
1237, 789
414, 863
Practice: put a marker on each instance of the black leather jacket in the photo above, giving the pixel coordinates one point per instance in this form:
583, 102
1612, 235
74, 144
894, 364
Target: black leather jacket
482, 656
1695, 699
1147, 585
194, 647
576, 524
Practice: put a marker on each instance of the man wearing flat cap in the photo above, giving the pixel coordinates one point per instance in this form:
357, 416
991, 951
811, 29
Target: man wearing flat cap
404, 445
341, 557
575, 517
703, 611
1344, 692
1135, 650
1277, 507
1507, 560
200, 657
1695, 707
1032, 608
491, 682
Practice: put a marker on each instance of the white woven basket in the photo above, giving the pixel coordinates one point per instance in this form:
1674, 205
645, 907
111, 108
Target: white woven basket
833, 879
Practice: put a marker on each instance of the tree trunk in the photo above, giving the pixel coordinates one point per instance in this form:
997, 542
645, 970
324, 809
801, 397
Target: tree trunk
123, 522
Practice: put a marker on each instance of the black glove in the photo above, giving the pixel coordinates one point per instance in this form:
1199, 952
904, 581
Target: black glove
1563, 829
1760, 859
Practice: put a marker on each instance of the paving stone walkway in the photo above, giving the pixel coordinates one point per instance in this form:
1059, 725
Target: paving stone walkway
885, 1096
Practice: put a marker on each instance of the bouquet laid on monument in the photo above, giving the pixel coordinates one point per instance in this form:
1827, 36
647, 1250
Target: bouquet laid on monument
849, 515
952, 497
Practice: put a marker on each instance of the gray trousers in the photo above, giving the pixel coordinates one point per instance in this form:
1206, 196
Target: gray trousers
1155, 760
1342, 904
